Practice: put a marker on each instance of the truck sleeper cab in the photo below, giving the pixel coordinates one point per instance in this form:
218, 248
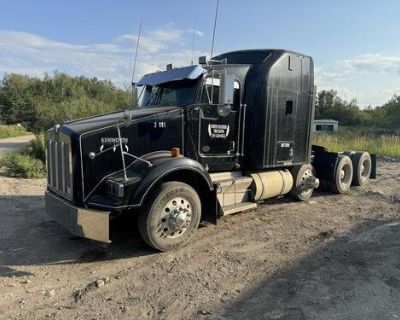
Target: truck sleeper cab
204, 141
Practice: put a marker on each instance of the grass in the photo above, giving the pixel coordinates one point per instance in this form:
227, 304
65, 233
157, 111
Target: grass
20, 165
10, 131
29, 164
385, 145
36, 148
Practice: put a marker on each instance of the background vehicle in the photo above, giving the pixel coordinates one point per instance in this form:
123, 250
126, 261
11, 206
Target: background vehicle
205, 141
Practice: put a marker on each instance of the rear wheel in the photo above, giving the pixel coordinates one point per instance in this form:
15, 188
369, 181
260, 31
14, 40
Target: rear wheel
362, 166
301, 190
349, 153
343, 175
171, 216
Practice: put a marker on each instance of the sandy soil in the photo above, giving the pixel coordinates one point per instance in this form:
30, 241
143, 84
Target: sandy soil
335, 257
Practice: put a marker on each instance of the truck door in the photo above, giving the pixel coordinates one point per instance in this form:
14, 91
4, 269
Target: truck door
218, 140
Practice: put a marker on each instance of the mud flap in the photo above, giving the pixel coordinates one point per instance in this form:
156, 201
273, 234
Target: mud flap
81, 222
373, 166
211, 208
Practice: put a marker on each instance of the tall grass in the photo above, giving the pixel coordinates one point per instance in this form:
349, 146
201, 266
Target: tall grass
385, 145
36, 148
20, 165
10, 131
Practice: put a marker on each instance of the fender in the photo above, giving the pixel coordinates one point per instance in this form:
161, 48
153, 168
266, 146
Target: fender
163, 165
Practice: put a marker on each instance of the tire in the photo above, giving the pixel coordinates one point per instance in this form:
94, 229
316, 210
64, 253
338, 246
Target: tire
349, 153
362, 165
343, 175
300, 173
170, 216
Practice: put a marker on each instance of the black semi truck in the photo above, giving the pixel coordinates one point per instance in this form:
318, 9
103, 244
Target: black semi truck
204, 141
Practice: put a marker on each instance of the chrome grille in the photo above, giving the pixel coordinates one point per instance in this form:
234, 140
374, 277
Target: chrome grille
59, 166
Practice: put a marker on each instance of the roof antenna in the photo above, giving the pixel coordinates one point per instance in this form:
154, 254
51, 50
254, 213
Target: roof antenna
194, 37
134, 63
215, 26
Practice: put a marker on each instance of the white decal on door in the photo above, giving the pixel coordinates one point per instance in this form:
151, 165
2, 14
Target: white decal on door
218, 130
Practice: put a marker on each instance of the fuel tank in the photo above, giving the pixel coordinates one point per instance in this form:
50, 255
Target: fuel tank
271, 184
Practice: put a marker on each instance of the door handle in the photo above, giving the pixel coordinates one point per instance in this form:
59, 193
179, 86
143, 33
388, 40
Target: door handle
231, 147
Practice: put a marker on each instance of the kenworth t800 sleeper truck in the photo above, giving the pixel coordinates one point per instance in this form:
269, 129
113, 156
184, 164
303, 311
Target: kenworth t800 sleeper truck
204, 141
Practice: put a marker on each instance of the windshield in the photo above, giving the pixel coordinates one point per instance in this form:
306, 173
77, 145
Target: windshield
175, 93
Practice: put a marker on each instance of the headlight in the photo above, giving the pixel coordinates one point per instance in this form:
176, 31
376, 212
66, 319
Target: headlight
115, 188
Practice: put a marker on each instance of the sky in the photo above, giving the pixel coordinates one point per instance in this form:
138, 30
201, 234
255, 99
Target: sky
354, 43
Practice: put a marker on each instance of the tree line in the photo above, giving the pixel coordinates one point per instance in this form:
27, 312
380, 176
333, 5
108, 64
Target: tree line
329, 105
39, 103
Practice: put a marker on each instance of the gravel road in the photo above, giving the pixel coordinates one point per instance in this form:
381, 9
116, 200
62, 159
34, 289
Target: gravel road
334, 257
15, 144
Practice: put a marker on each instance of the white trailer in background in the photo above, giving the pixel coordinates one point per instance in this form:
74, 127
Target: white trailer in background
325, 125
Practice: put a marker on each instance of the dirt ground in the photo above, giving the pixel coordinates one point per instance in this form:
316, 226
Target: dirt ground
335, 257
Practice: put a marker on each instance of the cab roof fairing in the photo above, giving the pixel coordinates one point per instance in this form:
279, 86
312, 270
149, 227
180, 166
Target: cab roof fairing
184, 73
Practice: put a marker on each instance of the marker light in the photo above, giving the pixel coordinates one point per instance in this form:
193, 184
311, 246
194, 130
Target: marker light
175, 152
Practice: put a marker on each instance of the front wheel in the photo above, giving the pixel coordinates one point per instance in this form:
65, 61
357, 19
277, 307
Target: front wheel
302, 175
170, 216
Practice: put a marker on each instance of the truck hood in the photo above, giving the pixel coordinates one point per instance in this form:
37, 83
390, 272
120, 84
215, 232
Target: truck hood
106, 120
153, 128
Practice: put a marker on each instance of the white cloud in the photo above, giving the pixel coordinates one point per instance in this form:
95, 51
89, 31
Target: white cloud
168, 35
323, 75
27, 53
371, 78
373, 63
196, 32
363, 97
155, 40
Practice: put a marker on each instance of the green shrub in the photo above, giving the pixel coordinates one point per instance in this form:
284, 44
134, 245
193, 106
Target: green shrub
20, 165
37, 148
41, 103
11, 131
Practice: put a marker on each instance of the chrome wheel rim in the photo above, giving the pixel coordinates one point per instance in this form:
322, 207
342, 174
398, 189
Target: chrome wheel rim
365, 168
175, 218
305, 189
345, 175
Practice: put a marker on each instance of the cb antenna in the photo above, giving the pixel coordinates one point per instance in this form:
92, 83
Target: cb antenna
193, 40
134, 63
215, 26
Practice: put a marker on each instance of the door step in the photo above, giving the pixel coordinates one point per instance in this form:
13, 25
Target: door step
233, 191
239, 207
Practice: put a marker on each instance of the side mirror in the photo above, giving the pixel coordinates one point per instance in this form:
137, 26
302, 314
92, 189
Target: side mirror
226, 89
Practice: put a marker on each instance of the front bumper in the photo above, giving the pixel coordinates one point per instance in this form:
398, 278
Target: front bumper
82, 222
